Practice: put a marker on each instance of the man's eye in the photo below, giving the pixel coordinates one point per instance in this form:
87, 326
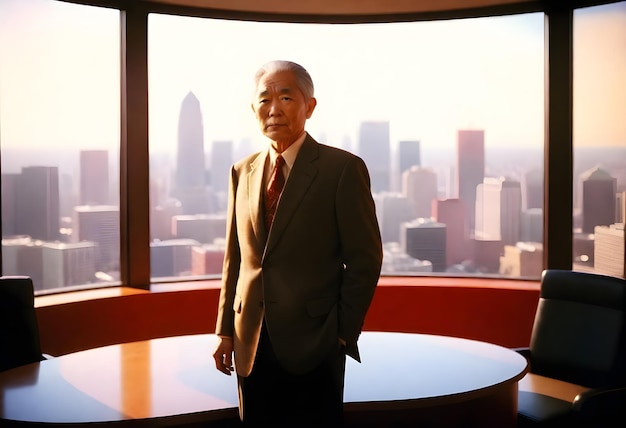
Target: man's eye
286, 99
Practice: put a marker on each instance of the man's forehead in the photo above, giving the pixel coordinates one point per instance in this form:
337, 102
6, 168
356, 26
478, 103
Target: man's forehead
283, 82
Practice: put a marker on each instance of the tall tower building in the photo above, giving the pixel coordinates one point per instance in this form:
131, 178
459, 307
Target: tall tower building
452, 213
94, 177
532, 189
470, 168
221, 161
599, 191
419, 185
37, 203
498, 210
408, 155
375, 149
190, 186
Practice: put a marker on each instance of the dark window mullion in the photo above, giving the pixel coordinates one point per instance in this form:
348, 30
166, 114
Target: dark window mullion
558, 157
134, 158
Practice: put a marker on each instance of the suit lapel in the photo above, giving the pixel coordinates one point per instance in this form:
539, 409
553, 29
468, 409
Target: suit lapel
301, 176
255, 187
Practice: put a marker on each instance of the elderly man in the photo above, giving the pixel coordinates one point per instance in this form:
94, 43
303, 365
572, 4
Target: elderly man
302, 261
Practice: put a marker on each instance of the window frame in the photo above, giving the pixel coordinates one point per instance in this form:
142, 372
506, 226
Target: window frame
134, 155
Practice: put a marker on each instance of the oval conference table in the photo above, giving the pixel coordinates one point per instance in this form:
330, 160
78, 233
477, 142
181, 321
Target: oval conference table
404, 379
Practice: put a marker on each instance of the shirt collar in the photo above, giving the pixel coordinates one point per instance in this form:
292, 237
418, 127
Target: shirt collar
290, 154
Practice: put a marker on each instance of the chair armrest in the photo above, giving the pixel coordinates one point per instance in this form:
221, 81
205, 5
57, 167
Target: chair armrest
602, 404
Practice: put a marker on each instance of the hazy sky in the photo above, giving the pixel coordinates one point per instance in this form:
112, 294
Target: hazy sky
59, 76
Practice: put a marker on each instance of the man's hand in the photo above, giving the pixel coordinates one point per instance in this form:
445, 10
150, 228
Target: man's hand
223, 355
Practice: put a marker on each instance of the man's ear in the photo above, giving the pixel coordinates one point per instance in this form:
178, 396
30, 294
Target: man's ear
310, 107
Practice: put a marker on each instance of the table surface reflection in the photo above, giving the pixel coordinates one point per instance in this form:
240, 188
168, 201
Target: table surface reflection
173, 380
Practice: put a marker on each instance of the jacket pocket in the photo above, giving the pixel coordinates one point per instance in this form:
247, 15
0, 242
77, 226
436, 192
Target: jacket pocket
320, 307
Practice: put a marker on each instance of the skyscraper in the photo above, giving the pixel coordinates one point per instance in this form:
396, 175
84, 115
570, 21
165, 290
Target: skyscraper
599, 190
498, 210
452, 213
419, 185
408, 155
470, 168
94, 177
392, 209
37, 203
532, 189
190, 187
374, 148
221, 161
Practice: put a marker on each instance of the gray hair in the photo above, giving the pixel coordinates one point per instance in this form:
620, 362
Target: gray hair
303, 78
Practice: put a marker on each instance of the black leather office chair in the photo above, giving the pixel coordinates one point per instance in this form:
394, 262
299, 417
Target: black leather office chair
577, 353
19, 332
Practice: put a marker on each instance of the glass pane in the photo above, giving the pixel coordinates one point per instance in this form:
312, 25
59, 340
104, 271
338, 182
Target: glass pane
60, 132
600, 138
447, 115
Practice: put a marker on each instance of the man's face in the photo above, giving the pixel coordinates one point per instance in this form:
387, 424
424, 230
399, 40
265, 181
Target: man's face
281, 108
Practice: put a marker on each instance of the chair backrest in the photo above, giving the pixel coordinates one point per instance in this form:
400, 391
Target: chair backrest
19, 331
579, 333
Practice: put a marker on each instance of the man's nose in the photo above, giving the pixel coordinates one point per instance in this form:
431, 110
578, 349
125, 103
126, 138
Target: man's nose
274, 109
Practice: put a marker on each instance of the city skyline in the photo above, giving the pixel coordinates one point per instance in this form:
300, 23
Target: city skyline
427, 79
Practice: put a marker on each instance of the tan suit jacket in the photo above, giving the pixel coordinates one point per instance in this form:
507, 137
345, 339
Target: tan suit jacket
314, 274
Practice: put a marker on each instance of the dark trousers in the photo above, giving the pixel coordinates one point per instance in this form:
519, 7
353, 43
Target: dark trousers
272, 397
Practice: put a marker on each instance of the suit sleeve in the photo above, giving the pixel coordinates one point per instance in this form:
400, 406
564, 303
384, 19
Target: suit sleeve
361, 248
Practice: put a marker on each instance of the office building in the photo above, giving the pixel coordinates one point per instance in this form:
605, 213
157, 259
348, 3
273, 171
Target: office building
419, 185
37, 212
67, 264
9, 204
532, 189
452, 213
375, 150
599, 190
22, 255
470, 164
392, 209
498, 210
208, 259
522, 260
204, 228
171, 257
609, 250
425, 239
531, 225
94, 177
408, 155
99, 224
221, 161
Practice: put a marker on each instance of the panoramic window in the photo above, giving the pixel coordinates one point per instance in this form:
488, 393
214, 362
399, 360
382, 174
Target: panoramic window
59, 142
448, 116
599, 138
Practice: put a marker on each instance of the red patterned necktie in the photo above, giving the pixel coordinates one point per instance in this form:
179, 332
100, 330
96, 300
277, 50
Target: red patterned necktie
277, 181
